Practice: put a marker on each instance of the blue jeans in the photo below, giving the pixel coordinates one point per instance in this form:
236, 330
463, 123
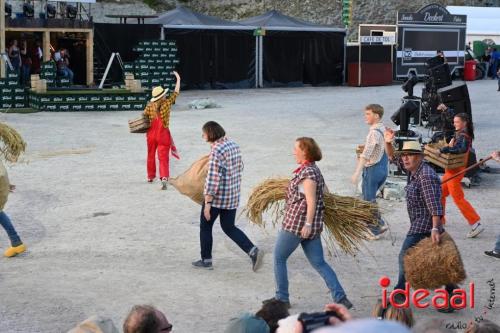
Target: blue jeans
9, 228
286, 243
497, 245
66, 72
373, 178
227, 217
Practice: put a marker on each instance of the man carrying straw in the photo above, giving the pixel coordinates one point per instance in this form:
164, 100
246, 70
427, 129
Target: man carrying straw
423, 199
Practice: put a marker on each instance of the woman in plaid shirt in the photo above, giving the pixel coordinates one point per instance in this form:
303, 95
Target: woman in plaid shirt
222, 196
303, 223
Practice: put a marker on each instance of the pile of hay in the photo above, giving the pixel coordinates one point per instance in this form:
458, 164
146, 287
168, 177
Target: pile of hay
346, 218
13, 144
431, 266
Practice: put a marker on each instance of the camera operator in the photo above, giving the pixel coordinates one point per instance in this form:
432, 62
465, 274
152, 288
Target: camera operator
461, 143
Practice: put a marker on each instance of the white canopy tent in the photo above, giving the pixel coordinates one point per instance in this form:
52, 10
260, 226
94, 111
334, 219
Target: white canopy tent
482, 22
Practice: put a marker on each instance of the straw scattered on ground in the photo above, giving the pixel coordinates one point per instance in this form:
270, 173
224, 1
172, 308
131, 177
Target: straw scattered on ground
346, 218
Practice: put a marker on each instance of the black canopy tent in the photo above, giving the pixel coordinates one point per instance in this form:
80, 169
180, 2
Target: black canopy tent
293, 52
121, 38
213, 53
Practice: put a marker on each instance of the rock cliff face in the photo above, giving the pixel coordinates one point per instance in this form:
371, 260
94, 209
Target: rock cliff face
317, 11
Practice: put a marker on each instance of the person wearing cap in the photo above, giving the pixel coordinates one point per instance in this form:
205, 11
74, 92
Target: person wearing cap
247, 323
423, 200
373, 163
158, 136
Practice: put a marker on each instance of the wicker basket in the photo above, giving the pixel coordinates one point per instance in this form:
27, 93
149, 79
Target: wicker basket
445, 161
139, 125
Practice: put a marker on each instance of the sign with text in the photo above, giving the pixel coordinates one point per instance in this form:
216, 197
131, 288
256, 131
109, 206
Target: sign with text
386, 40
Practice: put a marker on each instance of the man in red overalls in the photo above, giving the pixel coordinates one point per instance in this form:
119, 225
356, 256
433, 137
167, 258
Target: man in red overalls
158, 135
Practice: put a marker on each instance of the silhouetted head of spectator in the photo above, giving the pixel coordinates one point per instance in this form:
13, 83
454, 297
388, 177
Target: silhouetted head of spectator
401, 315
484, 326
272, 312
146, 319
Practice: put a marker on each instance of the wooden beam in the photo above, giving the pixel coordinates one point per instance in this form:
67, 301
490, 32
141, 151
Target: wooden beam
2, 37
62, 30
90, 57
46, 46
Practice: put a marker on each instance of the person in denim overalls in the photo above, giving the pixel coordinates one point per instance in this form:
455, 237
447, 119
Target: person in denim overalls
373, 163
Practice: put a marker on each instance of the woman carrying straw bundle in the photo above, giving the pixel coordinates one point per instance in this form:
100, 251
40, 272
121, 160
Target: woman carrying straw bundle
222, 196
17, 246
373, 163
303, 223
158, 136
13, 146
459, 144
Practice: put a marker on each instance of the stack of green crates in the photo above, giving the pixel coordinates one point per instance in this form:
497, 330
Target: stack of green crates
12, 94
98, 100
48, 72
155, 64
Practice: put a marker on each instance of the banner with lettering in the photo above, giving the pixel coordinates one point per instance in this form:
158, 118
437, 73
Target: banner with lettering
423, 33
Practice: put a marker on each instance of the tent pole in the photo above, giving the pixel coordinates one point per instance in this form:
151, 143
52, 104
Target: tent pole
261, 60
257, 67
162, 34
345, 59
2, 38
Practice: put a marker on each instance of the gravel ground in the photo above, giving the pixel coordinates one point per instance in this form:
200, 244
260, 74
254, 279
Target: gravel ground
101, 239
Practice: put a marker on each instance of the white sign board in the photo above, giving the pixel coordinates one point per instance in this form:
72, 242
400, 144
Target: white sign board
386, 40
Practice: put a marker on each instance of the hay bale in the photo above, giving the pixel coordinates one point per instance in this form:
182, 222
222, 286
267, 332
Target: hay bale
192, 181
346, 218
431, 266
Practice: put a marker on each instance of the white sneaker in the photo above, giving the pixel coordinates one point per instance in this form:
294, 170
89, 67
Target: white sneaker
164, 182
475, 231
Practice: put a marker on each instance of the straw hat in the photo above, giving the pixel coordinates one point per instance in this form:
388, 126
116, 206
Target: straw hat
158, 93
411, 147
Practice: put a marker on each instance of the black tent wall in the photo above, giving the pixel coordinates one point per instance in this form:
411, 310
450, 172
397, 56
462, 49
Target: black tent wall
294, 58
121, 38
215, 59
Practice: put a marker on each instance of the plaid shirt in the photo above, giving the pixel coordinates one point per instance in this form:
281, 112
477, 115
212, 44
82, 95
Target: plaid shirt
296, 205
225, 167
164, 105
374, 145
423, 198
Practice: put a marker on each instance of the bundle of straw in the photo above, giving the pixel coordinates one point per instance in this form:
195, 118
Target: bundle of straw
346, 218
431, 266
13, 144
